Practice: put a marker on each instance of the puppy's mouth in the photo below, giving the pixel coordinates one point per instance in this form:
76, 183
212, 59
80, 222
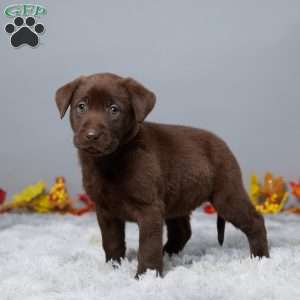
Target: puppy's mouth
96, 150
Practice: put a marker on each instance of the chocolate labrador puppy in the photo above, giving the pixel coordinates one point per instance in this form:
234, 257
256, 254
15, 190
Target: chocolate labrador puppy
151, 173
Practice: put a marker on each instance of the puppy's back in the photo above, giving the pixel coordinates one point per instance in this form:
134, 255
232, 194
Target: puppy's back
183, 142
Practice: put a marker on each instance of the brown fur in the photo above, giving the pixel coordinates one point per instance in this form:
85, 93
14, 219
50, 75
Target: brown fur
151, 173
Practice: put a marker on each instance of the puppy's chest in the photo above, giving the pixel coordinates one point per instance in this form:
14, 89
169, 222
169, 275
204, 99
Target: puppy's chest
111, 194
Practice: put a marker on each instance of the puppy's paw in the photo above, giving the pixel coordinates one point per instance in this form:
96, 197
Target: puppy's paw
115, 263
172, 248
139, 276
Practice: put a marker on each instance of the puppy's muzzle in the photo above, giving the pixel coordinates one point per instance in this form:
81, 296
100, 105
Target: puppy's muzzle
93, 135
95, 142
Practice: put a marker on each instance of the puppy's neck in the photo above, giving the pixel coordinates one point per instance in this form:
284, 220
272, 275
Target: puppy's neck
130, 135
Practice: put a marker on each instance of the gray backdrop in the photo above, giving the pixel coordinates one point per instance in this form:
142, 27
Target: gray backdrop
228, 66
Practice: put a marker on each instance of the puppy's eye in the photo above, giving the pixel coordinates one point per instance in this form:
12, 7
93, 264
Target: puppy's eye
82, 107
114, 109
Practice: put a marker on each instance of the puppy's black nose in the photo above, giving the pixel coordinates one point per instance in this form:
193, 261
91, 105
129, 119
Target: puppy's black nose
92, 135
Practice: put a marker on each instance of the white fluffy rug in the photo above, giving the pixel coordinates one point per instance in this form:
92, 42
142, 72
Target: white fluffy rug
59, 257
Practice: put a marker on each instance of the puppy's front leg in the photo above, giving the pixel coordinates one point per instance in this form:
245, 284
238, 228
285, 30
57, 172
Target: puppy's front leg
150, 253
113, 236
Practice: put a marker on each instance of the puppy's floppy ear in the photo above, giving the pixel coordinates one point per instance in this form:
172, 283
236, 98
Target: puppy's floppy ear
142, 99
64, 95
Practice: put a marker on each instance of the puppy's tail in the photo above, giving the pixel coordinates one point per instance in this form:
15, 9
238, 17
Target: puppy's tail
220, 229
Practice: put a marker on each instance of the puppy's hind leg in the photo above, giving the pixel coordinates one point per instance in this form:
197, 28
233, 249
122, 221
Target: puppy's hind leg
179, 232
236, 208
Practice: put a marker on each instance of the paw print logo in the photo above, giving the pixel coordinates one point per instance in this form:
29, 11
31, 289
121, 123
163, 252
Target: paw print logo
24, 33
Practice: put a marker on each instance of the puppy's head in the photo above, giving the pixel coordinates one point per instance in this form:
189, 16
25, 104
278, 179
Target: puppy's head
105, 110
